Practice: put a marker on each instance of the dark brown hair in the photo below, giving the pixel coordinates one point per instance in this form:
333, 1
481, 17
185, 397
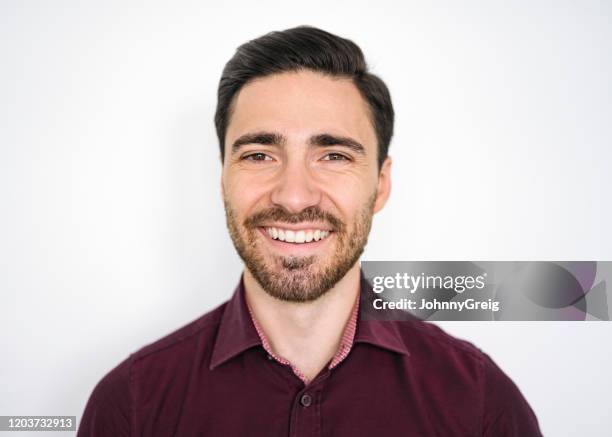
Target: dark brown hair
305, 48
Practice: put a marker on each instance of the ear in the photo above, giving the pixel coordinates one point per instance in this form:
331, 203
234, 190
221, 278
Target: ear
384, 185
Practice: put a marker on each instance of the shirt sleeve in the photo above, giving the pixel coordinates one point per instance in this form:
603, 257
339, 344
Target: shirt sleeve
506, 412
107, 412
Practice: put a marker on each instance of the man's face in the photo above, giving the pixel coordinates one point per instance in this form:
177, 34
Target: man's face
300, 181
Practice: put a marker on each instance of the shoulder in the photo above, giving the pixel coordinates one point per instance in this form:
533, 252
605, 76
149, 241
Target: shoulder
171, 358
431, 340
503, 408
429, 343
108, 409
203, 328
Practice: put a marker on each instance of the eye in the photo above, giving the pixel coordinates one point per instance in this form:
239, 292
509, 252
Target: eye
336, 157
257, 156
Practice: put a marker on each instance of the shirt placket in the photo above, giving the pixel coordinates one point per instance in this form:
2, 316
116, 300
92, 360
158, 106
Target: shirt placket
306, 409
305, 417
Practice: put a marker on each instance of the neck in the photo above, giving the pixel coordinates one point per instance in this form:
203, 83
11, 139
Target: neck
307, 334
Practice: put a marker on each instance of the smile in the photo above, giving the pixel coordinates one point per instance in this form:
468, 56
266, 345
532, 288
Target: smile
299, 237
296, 236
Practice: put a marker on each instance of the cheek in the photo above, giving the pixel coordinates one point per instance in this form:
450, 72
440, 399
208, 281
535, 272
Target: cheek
348, 203
349, 192
243, 193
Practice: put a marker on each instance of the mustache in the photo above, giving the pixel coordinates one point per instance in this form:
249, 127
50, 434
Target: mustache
310, 214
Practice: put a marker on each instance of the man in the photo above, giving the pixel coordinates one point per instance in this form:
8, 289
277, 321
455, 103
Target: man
304, 131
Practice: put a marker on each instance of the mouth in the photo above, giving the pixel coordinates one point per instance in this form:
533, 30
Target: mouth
296, 241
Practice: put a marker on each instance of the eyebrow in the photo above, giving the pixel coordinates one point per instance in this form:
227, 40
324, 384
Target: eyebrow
326, 140
263, 138
276, 139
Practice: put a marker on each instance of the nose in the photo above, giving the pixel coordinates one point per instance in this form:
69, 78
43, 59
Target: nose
296, 188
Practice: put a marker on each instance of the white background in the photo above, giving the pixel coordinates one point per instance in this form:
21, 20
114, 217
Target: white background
112, 231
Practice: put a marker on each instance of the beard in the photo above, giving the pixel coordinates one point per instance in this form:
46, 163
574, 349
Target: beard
300, 278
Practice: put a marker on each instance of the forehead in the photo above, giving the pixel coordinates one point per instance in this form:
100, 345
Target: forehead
302, 103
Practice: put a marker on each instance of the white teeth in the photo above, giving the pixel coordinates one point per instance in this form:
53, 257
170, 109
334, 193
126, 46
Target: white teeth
289, 236
297, 237
300, 236
309, 236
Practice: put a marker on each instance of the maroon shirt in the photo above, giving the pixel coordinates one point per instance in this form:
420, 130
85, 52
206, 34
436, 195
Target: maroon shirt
214, 378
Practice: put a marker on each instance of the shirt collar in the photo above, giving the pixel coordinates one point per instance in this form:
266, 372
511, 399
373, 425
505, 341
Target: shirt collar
237, 333
380, 333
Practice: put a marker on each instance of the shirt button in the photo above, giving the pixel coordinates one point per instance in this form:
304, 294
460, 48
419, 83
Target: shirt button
306, 400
